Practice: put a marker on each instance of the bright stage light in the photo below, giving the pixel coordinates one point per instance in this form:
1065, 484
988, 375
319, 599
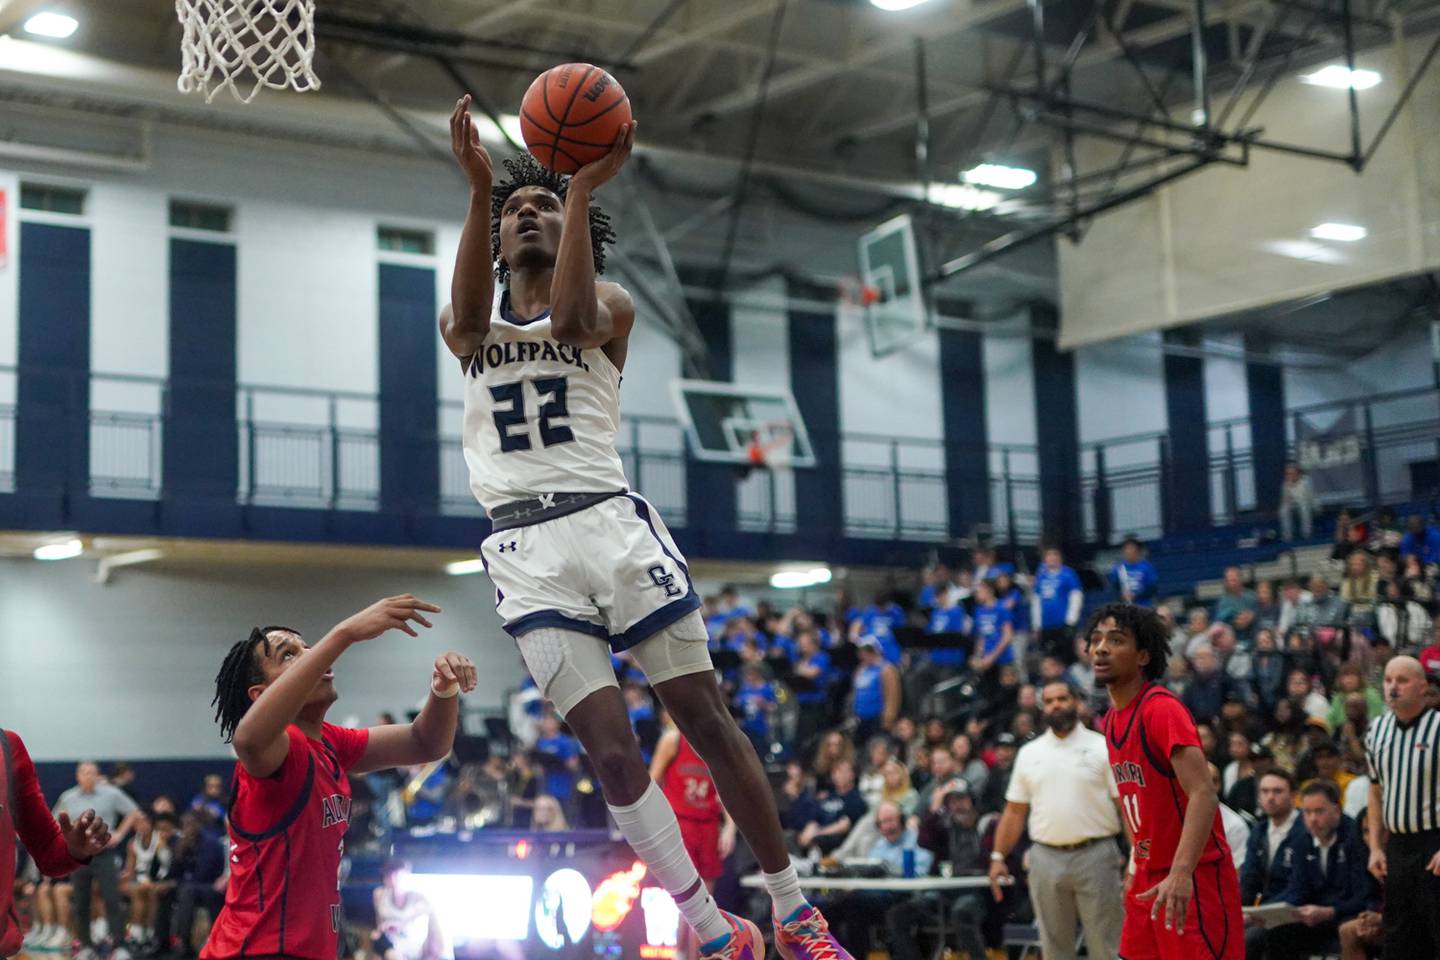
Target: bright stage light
793, 579
999, 175
1338, 77
1346, 232
55, 25
60, 551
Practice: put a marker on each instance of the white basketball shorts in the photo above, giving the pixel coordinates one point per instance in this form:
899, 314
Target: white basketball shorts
611, 571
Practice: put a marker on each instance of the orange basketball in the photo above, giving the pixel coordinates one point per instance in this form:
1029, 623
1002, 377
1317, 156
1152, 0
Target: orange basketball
571, 114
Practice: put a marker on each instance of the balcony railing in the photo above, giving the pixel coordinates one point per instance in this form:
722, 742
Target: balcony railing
320, 449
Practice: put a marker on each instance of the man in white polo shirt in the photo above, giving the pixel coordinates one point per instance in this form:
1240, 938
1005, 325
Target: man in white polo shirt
1062, 782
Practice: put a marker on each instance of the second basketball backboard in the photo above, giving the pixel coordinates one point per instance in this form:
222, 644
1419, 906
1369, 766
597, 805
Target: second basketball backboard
726, 422
894, 295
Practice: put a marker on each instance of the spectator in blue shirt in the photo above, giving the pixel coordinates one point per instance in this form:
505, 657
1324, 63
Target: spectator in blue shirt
858, 913
1012, 598
1056, 599
1421, 540
643, 722
994, 630
877, 691
1331, 881
564, 751
936, 592
756, 700
1133, 577
626, 669
879, 620
776, 633
723, 609
813, 665
948, 660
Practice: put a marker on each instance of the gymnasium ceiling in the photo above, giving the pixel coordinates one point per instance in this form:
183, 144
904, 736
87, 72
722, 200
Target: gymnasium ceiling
836, 137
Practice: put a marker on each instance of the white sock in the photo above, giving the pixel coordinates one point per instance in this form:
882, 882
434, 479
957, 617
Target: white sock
654, 833
784, 889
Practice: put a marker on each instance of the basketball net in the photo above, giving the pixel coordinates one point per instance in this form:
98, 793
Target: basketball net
246, 45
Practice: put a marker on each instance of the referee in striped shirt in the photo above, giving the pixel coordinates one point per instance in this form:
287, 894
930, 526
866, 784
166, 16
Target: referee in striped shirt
1403, 752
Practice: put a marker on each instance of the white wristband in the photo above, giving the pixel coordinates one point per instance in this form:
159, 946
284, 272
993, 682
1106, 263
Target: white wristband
449, 690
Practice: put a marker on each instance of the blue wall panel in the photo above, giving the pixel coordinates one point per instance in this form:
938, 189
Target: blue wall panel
815, 381
710, 487
201, 448
52, 428
1188, 480
409, 443
1057, 432
1266, 382
962, 401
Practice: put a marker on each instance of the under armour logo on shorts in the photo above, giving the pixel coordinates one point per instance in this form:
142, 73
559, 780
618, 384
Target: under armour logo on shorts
547, 500
663, 578
510, 547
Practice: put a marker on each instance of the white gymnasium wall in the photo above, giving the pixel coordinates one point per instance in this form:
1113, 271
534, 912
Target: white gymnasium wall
1120, 389
1403, 363
127, 670
304, 227
1227, 397
308, 306
1009, 389
897, 396
9, 312
1010, 414
1119, 392
129, 292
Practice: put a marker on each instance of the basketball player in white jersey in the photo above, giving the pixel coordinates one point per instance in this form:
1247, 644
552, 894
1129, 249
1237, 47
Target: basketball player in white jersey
581, 564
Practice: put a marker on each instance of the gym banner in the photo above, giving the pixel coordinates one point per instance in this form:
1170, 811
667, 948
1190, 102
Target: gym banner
1330, 453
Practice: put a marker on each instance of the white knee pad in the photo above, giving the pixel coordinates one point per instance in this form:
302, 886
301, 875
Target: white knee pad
678, 649
567, 665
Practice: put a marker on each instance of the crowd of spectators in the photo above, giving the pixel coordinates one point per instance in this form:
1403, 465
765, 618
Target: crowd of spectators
891, 728
152, 892
905, 713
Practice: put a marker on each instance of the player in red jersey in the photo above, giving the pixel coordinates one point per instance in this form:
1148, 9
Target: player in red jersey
290, 796
1184, 898
705, 827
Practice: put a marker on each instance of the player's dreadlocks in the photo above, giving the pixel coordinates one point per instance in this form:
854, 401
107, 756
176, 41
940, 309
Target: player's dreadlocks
526, 171
1147, 628
240, 672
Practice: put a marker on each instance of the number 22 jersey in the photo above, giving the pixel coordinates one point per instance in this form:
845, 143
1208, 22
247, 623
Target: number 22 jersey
540, 416
1141, 737
287, 835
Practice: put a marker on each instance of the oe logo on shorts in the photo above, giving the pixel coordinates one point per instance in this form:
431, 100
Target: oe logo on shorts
662, 578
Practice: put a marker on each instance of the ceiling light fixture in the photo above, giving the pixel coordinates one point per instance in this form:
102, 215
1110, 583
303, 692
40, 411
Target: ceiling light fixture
1340, 78
1346, 232
893, 5
962, 196
64, 550
794, 579
999, 175
48, 24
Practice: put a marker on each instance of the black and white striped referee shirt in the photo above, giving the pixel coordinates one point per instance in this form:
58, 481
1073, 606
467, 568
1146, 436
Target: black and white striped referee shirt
1405, 760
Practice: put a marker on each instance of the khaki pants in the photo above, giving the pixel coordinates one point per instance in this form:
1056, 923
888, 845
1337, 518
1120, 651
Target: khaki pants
1081, 886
